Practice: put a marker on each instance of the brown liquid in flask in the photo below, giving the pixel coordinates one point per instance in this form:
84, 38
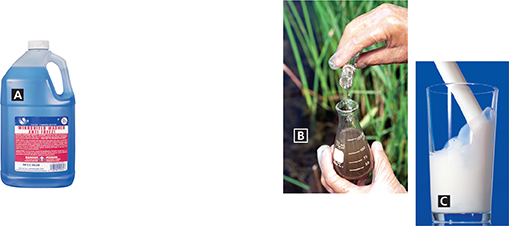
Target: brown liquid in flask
352, 156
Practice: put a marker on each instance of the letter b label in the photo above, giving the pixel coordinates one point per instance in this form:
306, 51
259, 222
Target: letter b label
300, 135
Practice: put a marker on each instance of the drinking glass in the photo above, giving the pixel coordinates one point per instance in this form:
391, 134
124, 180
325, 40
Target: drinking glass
461, 153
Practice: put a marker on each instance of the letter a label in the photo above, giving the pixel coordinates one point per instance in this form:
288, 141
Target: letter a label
17, 95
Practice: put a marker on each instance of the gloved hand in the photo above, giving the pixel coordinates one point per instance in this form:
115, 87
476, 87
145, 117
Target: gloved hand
384, 180
387, 23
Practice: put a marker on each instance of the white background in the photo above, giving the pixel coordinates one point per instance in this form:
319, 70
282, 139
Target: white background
179, 110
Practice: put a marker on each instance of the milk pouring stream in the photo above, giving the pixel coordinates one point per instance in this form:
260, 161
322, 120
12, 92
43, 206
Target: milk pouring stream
38, 125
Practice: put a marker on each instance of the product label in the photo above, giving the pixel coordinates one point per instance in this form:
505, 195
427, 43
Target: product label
41, 144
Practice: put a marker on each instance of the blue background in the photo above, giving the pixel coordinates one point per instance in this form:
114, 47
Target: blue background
491, 73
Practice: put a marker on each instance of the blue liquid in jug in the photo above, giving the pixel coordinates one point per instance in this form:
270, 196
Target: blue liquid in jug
38, 130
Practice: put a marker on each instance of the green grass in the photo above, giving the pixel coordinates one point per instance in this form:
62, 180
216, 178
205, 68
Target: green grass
314, 30
296, 182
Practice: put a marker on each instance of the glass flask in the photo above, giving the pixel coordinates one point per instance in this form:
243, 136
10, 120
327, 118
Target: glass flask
352, 156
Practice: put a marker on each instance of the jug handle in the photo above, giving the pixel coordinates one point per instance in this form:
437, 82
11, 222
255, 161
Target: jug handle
62, 65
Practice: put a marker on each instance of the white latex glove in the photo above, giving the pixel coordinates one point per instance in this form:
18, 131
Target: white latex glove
384, 180
386, 23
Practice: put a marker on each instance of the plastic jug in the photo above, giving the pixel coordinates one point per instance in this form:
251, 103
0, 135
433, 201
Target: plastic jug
38, 125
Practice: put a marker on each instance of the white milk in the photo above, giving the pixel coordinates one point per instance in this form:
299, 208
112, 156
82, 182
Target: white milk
463, 169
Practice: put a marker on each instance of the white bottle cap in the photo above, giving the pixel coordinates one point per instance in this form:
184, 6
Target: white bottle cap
38, 44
